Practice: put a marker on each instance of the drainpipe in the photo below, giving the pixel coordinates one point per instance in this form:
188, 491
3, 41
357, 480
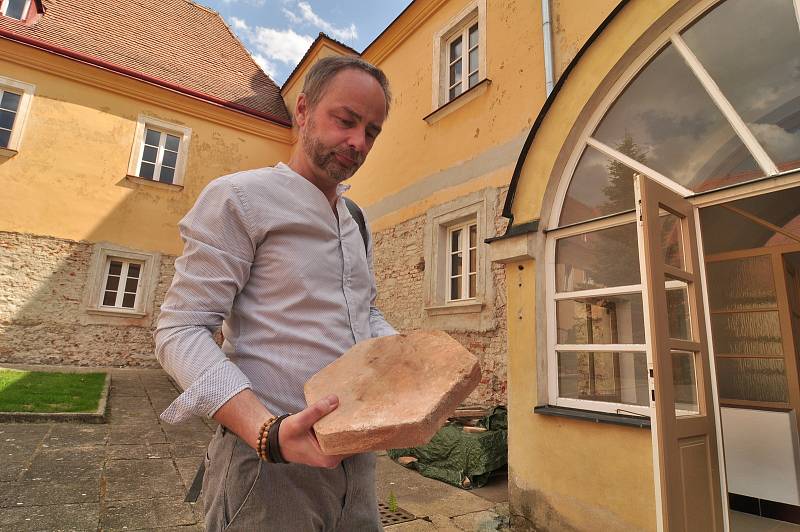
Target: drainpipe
547, 34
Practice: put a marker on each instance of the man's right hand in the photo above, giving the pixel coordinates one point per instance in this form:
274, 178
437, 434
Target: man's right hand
297, 440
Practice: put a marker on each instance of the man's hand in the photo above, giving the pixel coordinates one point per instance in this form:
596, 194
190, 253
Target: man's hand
296, 437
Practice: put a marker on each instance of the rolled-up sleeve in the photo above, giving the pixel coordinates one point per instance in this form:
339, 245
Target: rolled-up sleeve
215, 265
378, 325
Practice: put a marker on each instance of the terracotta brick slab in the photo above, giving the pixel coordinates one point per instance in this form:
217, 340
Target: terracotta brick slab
393, 392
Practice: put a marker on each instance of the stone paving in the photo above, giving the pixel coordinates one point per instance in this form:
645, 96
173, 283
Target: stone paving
133, 472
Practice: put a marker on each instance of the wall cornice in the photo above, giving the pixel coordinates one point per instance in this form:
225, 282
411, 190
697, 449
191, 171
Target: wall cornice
400, 29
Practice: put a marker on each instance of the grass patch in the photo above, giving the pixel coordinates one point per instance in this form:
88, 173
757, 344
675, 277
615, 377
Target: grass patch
40, 391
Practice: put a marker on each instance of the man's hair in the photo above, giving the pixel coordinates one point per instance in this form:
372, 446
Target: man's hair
324, 70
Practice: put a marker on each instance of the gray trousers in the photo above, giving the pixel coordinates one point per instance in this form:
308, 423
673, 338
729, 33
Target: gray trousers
240, 492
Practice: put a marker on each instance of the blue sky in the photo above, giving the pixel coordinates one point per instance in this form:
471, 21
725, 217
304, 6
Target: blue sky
278, 32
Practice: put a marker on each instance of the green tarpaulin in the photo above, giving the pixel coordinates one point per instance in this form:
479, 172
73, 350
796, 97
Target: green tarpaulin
453, 455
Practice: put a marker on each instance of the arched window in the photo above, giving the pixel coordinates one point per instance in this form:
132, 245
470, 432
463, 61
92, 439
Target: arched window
714, 104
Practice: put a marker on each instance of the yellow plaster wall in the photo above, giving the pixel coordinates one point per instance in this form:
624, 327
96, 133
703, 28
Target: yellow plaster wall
68, 179
409, 149
567, 474
573, 22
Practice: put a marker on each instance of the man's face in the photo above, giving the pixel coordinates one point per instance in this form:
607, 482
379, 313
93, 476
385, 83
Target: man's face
338, 132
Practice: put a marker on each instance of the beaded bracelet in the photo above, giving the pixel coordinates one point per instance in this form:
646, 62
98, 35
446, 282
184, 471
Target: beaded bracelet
262, 444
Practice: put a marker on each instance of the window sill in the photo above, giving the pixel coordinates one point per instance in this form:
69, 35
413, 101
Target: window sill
460, 307
149, 182
458, 102
5, 153
116, 312
597, 417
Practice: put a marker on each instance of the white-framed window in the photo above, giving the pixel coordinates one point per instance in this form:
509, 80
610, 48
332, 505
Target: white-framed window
15, 101
462, 261
459, 54
121, 282
17, 9
458, 281
160, 151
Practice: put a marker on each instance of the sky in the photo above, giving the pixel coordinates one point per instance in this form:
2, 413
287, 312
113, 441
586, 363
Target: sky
278, 32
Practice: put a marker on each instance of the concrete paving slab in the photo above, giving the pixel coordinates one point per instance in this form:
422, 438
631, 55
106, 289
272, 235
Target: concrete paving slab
142, 479
46, 493
76, 435
79, 464
146, 514
486, 521
138, 452
136, 434
52, 518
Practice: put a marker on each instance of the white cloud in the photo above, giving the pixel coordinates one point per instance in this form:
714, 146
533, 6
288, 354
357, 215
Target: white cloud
306, 15
270, 46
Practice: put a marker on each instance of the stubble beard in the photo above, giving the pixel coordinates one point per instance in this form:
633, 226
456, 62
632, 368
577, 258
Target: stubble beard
324, 157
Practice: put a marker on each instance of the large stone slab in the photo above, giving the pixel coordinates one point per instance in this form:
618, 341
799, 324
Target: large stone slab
394, 391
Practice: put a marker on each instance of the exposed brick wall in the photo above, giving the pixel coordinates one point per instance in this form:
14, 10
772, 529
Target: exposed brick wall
43, 282
399, 264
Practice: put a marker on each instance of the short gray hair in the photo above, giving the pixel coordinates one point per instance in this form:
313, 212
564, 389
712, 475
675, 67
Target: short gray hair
324, 70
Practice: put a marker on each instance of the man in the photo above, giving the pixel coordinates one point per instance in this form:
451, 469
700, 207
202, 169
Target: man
275, 257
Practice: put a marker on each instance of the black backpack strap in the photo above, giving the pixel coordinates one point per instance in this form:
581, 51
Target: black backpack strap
358, 216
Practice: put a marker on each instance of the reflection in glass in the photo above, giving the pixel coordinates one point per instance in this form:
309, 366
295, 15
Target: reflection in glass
669, 117
672, 240
678, 317
747, 333
731, 231
752, 379
600, 186
607, 377
741, 284
609, 257
751, 50
684, 379
601, 320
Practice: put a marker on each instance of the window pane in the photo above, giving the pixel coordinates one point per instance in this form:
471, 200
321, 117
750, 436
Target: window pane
15, 9
150, 154
134, 269
115, 268
473, 260
609, 257
455, 72
152, 137
684, 380
473, 236
473, 283
750, 49
10, 101
473, 60
131, 284
677, 128
455, 50
167, 174
473, 80
170, 159
455, 288
473, 35
601, 320
172, 143
600, 186
747, 333
678, 317
5, 138
7, 119
741, 284
609, 377
752, 379
112, 282
672, 240
147, 170
455, 240
731, 231
129, 300
110, 299
455, 264
455, 91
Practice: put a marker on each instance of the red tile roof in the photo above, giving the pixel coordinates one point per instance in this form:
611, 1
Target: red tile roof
175, 42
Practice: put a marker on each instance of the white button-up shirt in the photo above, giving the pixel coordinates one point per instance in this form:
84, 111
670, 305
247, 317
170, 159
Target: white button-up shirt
292, 287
